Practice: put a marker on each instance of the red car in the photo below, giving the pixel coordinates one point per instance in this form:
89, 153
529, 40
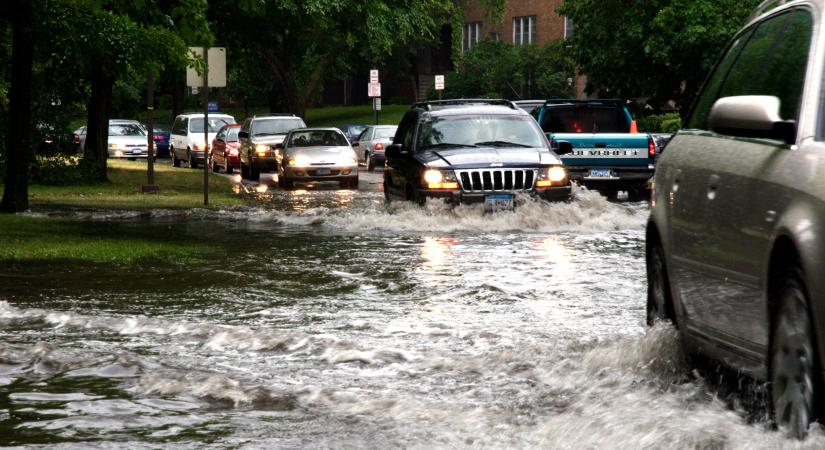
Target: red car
225, 149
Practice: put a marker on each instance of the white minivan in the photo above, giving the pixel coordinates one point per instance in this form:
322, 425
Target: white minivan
186, 141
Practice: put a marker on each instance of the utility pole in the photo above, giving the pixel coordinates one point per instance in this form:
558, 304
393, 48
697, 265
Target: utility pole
206, 127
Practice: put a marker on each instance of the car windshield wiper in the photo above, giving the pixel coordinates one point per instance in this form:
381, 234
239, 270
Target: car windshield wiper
503, 144
447, 144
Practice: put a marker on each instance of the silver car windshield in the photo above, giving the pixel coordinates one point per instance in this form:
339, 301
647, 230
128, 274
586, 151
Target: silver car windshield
317, 138
126, 130
384, 133
480, 130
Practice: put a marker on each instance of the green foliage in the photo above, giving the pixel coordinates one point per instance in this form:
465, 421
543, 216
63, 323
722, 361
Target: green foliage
662, 49
499, 69
660, 123
62, 170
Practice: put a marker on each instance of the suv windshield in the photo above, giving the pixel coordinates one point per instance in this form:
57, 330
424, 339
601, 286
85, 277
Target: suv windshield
126, 130
317, 138
584, 119
275, 126
476, 130
196, 124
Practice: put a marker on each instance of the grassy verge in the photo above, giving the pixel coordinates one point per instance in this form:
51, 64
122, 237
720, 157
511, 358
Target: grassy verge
179, 188
49, 239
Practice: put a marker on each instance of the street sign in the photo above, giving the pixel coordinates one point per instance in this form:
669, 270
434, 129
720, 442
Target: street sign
377, 103
439, 82
374, 89
212, 106
217, 68
374, 76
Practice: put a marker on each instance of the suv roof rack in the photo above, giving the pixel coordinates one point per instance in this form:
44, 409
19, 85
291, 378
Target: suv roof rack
428, 105
594, 101
766, 6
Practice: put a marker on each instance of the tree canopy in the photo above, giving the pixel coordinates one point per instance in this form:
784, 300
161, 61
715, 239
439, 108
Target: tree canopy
661, 49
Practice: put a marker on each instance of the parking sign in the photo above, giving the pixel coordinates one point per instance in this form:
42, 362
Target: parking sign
439, 82
374, 76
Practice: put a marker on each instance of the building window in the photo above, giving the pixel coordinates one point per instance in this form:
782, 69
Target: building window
472, 33
569, 28
524, 30
495, 35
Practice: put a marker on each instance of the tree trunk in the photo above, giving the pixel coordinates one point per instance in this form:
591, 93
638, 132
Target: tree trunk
16, 193
178, 96
97, 131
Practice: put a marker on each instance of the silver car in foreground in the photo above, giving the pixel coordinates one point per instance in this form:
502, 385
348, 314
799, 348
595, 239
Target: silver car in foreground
736, 238
316, 154
372, 142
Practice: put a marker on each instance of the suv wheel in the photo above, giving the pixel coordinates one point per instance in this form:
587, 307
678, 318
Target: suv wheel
175, 160
192, 163
793, 367
659, 303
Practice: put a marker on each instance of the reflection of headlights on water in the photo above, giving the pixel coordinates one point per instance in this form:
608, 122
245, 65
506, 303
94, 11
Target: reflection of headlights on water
437, 179
554, 176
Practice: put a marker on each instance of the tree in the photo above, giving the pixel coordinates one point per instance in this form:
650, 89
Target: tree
300, 43
15, 194
661, 49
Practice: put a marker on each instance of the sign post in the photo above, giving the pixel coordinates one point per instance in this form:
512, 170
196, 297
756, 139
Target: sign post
214, 75
374, 91
439, 85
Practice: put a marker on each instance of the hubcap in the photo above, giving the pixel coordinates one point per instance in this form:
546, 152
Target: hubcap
792, 367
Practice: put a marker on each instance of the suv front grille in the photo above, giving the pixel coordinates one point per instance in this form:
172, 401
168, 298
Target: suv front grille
489, 180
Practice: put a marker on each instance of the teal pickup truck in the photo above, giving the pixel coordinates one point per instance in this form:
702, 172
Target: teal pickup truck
599, 145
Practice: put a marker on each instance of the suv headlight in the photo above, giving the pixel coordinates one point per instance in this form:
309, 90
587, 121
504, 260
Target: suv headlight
440, 179
261, 149
553, 176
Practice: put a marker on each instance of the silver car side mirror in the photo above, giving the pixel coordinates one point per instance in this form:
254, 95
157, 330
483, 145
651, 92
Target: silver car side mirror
754, 116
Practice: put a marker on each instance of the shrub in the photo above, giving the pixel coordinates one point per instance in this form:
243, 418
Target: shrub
660, 123
62, 170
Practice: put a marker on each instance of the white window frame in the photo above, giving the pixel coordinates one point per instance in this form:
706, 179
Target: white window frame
527, 27
470, 35
569, 27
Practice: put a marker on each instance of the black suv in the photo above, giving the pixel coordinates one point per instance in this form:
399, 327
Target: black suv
468, 151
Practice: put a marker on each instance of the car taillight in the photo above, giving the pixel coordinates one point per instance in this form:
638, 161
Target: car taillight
379, 146
651, 147
75, 139
157, 137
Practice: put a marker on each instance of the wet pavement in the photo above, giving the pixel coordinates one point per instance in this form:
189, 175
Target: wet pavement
326, 319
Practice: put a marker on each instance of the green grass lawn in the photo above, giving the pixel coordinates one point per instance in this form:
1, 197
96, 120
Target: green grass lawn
179, 188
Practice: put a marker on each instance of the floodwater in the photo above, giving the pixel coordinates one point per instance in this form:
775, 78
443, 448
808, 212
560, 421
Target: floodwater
325, 319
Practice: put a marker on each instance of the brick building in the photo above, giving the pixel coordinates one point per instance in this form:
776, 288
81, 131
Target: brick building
524, 22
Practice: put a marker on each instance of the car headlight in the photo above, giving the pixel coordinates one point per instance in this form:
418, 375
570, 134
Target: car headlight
114, 146
552, 176
261, 149
299, 161
439, 179
200, 147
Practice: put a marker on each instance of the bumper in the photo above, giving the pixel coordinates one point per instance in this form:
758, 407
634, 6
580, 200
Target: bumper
552, 194
233, 161
329, 173
128, 153
379, 157
263, 164
619, 176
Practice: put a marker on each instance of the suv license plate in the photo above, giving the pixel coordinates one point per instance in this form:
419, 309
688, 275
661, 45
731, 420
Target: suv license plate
600, 173
498, 202
323, 172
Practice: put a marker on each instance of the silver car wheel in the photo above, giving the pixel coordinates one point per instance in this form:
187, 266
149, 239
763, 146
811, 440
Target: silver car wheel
792, 363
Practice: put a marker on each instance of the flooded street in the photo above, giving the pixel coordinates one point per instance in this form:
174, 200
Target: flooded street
326, 319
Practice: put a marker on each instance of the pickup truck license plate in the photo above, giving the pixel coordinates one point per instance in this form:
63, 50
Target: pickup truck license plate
600, 173
498, 202
323, 172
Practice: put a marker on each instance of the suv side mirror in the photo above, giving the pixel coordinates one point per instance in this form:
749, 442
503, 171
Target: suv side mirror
563, 148
755, 116
393, 151
243, 134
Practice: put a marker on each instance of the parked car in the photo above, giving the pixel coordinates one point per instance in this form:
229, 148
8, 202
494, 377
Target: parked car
76, 142
352, 131
531, 106
258, 137
372, 142
225, 149
187, 141
316, 154
161, 139
736, 237
468, 151
127, 139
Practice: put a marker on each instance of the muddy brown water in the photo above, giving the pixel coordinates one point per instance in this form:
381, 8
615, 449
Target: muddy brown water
325, 319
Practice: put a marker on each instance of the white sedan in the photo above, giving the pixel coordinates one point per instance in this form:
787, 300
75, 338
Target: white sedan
316, 154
